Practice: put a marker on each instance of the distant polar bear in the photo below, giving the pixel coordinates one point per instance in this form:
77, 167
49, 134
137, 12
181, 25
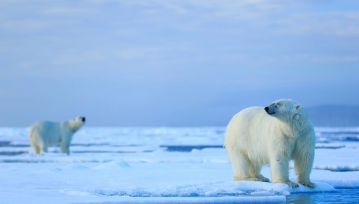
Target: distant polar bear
275, 134
44, 134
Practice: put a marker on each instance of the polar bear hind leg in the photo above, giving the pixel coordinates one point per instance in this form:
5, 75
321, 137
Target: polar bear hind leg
38, 144
240, 166
35, 147
255, 172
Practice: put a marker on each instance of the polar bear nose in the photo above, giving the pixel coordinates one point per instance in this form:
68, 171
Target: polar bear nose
83, 119
266, 109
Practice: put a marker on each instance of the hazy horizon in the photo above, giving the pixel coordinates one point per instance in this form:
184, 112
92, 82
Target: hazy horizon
177, 63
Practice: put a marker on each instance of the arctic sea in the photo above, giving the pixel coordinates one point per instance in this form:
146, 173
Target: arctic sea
165, 165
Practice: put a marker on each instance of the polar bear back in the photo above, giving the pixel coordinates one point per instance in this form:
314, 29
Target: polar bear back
252, 131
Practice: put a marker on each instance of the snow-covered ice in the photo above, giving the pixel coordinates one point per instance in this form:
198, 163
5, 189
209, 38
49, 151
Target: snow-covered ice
158, 165
220, 200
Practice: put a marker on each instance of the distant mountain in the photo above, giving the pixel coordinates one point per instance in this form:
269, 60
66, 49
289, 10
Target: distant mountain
334, 115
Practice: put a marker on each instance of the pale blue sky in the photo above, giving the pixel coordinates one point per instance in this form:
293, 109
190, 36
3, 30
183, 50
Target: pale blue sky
165, 63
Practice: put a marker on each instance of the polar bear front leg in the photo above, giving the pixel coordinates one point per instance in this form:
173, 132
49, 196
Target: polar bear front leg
303, 174
303, 161
65, 146
279, 166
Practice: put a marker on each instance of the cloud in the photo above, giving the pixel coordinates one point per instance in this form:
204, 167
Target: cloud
73, 57
136, 53
322, 23
66, 11
333, 59
24, 25
277, 17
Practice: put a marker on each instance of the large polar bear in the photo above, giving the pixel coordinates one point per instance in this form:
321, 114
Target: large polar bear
44, 134
275, 134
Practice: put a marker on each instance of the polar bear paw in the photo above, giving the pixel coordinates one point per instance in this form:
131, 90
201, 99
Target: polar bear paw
292, 184
261, 178
308, 184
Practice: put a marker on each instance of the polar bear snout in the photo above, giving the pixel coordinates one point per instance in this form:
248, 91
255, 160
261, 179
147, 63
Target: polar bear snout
83, 119
269, 110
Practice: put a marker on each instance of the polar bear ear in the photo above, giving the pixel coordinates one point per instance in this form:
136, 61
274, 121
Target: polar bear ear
298, 107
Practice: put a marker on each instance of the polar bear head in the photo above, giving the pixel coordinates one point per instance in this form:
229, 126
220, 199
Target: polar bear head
285, 110
76, 123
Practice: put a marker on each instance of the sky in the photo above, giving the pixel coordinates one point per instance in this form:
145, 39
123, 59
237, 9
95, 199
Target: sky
172, 63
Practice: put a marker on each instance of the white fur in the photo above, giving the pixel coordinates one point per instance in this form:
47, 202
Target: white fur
255, 138
44, 134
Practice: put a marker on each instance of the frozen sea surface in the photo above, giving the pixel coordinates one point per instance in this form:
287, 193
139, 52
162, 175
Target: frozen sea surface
165, 165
